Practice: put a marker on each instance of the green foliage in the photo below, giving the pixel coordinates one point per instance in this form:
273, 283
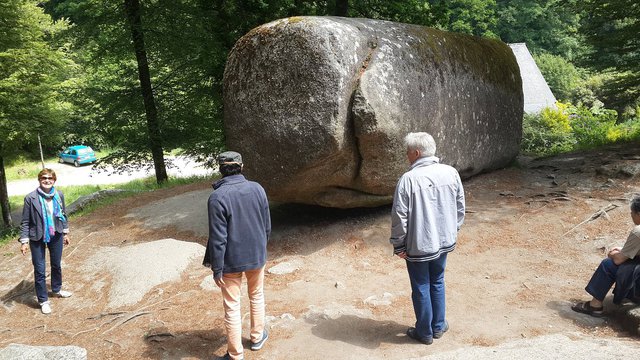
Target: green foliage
539, 138
186, 72
562, 77
594, 128
544, 25
476, 17
9, 234
21, 166
611, 29
569, 128
33, 70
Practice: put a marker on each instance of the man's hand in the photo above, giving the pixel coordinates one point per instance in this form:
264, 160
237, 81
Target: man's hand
614, 251
617, 256
402, 255
65, 239
24, 248
219, 282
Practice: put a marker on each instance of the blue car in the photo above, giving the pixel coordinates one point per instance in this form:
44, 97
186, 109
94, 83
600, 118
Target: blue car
77, 155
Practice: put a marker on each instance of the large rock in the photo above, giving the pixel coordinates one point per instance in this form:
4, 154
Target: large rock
28, 352
319, 106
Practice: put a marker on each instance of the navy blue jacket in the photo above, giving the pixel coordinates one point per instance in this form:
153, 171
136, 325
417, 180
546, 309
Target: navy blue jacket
239, 226
32, 225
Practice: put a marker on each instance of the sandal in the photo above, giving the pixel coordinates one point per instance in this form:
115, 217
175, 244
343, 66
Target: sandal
586, 308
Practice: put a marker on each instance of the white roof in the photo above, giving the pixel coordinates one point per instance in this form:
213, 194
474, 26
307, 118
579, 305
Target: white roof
537, 94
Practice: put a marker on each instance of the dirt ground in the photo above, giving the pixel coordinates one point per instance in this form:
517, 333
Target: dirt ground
533, 235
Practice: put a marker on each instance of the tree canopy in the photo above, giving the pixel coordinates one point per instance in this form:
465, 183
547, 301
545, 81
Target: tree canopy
611, 29
33, 74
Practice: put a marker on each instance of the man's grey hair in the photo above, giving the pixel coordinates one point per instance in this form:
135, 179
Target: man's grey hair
635, 204
421, 141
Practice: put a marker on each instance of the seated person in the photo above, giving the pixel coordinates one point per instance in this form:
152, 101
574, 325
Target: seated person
610, 271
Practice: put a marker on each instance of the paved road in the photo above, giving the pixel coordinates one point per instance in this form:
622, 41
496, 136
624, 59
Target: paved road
69, 175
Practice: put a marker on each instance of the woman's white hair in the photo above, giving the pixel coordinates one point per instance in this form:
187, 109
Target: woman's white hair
421, 141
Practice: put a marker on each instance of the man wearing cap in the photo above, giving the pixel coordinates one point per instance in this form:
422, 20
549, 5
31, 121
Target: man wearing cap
428, 210
239, 227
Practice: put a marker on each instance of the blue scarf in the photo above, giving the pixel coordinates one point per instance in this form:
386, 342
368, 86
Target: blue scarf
48, 217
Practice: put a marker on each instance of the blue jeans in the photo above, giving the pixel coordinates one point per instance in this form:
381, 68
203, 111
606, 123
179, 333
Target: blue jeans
39, 265
602, 280
427, 293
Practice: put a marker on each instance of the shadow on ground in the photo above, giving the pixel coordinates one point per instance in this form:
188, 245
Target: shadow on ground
358, 331
200, 344
22, 293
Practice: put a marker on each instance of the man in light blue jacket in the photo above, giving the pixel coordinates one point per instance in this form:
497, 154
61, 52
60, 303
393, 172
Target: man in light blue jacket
428, 210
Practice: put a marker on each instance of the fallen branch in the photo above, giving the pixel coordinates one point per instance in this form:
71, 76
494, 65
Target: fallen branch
535, 201
78, 244
112, 320
130, 317
120, 314
594, 216
85, 331
58, 331
165, 300
101, 315
112, 342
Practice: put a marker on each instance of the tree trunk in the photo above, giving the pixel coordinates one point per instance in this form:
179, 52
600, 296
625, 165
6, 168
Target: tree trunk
4, 197
132, 8
342, 8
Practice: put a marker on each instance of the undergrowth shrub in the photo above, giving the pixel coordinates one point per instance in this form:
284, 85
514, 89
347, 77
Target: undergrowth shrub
593, 128
541, 138
568, 128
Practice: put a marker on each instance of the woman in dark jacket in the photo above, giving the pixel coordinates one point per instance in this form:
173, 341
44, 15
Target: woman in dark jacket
44, 225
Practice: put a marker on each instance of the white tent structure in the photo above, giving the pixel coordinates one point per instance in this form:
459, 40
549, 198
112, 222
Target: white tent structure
537, 94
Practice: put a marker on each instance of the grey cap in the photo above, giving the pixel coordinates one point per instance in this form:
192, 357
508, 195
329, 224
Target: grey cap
229, 157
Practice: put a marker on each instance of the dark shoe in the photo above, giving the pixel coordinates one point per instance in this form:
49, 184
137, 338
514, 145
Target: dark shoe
225, 357
586, 308
438, 334
257, 346
411, 332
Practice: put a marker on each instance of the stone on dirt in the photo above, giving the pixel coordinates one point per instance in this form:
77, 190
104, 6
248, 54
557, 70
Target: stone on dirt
87, 200
136, 269
28, 352
375, 300
286, 267
319, 106
549, 347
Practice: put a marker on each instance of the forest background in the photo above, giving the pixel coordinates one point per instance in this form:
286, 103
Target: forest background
144, 77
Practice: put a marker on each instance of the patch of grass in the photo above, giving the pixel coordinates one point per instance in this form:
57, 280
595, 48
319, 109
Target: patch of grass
73, 193
21, 167
10, 234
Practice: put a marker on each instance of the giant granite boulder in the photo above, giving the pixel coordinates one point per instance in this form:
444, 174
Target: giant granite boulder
319, 106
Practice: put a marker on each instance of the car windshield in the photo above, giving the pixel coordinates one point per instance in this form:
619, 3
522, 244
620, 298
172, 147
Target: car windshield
85, 150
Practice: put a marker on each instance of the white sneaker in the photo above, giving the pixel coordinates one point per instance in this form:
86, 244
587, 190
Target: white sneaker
45, 307
63, 294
